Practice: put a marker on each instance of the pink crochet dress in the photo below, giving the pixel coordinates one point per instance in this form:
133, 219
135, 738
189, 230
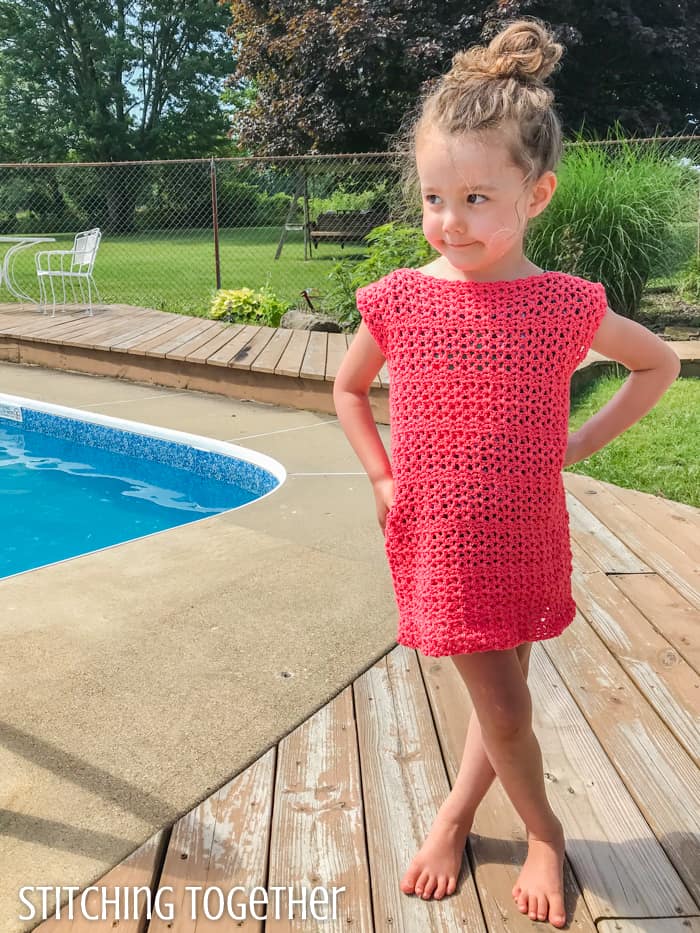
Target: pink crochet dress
477, 539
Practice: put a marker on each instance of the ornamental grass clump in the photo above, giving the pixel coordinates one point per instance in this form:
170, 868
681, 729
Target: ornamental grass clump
617, 217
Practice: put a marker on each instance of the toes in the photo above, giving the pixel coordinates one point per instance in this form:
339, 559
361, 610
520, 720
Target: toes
421, 881
441, 887
522, 902
557, 912
542, 908
516, 891
452, 885
532, 907
430, 886
408, 882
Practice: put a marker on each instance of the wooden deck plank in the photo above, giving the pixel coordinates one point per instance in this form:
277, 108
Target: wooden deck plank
46, 328
236, 348
651, 925
335, 354
150, 344
71, 330
193, 332
497, 843
610, 553
138, 870
404, 784
677, 520
668, 682
139, 332
660, 554
237, 344
318, 834
247, 355
222, 843
267, 360
101, 336
12, 320
670, 614
658, 774
219, 340
181, 352
313, 366
293, 356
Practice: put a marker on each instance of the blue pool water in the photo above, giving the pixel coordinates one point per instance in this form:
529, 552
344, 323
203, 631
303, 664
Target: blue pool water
69, 487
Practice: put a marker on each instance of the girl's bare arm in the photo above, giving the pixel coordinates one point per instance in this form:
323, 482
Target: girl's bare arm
653, 367
360, 365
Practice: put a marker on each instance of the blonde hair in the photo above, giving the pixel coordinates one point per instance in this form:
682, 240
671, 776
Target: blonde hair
495, 87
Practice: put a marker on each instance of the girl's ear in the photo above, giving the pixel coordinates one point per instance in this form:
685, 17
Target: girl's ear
541, 193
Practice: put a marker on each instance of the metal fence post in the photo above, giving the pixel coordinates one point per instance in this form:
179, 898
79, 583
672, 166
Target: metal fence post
215, 222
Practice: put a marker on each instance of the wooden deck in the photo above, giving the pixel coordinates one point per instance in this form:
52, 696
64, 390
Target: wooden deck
347, 797
267, 364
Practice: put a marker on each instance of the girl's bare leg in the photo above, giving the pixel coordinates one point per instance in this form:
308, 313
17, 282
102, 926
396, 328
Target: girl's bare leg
503, 705
436, 866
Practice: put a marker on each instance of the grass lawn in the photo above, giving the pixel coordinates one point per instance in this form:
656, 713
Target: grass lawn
660, 454
176, 271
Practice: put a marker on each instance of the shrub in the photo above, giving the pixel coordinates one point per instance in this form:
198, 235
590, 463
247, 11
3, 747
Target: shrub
615, 216
340, 199
246, 306
689, 281
392, 246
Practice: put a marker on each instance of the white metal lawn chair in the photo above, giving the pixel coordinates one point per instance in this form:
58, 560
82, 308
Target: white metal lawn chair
69, 265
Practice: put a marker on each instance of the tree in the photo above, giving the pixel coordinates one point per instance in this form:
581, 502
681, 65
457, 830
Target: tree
106, 81
338, 75
629, 61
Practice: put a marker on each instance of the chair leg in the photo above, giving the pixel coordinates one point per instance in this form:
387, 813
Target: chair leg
53, 297
42, 294
99, 299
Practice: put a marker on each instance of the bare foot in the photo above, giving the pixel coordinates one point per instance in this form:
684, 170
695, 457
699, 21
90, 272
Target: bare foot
435, 868
539, 890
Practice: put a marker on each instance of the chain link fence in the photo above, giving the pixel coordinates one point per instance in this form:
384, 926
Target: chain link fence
173, 232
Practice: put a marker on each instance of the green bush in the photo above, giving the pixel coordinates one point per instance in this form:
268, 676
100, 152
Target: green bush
689, 281
272, 209
392, 246
245, 306
616, 218
376, 198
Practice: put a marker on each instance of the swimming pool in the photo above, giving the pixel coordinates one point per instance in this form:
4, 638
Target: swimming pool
73, 482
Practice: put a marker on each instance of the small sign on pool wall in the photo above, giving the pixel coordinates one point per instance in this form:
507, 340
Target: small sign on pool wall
10, 412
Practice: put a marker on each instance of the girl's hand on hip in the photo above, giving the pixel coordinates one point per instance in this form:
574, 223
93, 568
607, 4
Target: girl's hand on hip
384, 498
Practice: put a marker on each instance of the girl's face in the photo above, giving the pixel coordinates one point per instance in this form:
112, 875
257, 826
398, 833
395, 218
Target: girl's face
475, 202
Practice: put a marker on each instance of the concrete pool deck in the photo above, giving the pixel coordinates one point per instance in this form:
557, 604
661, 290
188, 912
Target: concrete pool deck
137, 680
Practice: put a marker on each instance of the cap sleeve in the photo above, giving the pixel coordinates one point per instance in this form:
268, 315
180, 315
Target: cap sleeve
374, 302
588, 310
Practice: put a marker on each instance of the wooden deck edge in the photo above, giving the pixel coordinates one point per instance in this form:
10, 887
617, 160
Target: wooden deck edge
288, 391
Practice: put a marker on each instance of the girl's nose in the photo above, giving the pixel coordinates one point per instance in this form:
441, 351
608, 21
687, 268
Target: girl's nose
452, 223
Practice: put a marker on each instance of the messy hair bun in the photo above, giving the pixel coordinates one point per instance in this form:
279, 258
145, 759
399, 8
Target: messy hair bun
500, 88
525, 51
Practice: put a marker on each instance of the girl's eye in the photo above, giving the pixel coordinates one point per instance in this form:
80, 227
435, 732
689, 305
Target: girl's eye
471, 198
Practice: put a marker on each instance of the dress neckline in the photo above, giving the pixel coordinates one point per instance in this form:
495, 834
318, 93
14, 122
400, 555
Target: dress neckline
434, 278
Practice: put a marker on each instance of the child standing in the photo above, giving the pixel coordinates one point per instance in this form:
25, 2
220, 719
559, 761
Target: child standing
481, 345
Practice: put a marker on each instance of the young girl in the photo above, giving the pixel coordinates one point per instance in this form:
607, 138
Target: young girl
481, 345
